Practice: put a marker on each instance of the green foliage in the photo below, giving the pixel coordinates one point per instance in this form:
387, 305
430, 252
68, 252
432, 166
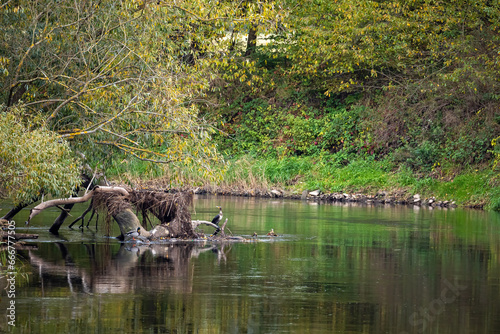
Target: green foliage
123, 81
33, 161
296, 128
496, 152
424, 156
340, 45
348, 89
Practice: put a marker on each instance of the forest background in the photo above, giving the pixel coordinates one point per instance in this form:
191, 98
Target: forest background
397, 96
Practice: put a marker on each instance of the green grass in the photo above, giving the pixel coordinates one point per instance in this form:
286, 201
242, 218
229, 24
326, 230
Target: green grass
360, 175
295, 174
470, 188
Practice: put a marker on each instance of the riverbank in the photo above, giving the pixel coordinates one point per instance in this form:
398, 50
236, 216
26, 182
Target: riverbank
316, 195
365, 181
398, 197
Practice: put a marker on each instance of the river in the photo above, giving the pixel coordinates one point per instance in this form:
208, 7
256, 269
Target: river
332, 269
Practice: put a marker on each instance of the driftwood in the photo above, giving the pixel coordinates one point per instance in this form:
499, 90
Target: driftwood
218, 229
54, 229
73, 200
128, 221
15, 210
196, 223
171, 209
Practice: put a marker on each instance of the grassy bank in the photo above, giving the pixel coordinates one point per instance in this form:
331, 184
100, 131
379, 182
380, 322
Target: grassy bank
470, 188
478, 188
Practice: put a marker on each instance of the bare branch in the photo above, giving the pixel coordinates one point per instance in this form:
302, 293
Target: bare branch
73, 200
100, 125
197, 223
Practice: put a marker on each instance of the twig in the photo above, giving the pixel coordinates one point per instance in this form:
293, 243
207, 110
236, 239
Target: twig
82, 217
63, 209
90, 219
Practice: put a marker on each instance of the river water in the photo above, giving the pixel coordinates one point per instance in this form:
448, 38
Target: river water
332, 269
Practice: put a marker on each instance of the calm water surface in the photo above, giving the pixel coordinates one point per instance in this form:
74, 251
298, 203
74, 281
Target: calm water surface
332, 269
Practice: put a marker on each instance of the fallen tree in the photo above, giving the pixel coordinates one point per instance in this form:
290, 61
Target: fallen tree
171, 209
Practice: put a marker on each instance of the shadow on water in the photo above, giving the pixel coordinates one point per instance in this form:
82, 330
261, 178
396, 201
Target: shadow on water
334, 268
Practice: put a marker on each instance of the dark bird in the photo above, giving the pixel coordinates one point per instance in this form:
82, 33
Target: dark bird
217, 218
133, 233
254, 234
272, 233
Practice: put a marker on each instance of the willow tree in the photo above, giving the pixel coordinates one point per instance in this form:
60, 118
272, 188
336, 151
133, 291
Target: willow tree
34, 162
98, 75
116, 74
116, 77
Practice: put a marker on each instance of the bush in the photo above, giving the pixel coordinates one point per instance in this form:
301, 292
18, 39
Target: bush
33, 161
424, 156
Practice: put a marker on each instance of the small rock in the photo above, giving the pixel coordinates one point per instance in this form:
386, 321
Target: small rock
304, 195
276, 193
315, 193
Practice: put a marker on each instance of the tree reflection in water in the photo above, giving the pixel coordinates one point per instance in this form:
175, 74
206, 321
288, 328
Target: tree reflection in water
130, 269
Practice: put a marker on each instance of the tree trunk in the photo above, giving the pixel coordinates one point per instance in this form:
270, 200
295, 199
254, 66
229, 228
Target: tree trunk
252, 40
73, 200
128, 221
15, 210
54, 229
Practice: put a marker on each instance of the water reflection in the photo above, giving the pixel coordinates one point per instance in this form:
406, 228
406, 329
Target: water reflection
334, 268
130, 269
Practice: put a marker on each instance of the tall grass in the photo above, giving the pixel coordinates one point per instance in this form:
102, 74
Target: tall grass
295, 174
